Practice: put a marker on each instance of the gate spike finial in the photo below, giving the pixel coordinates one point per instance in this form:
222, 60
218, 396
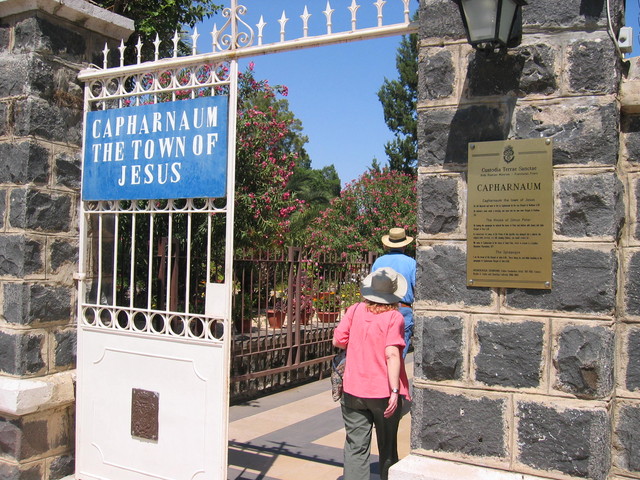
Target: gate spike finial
156, 43
407, 19
122, 49
328, 13
105, 55
379, 4
305, 22
176, 39
353, 8
214, 38
139, 50
194, 41
283, 21
261, 24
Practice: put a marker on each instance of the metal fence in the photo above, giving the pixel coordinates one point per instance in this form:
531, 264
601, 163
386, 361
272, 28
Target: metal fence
285, 308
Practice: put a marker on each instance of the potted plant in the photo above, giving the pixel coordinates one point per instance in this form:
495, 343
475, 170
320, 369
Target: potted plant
328, 306
241, 313
304, 305
277, 310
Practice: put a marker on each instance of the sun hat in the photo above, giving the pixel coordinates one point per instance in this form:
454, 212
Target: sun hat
384, 286
396, 238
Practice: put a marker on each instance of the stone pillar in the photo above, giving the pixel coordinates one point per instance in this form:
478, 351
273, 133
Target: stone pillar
43, 45
513, 382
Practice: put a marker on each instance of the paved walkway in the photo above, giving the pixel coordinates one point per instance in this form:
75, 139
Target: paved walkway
296, 434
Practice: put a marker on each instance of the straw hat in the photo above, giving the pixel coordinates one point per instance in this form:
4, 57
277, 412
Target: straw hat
384, 286
397, 238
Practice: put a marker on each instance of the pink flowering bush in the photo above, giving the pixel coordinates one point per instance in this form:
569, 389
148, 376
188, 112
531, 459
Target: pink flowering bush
364, 211
266, 158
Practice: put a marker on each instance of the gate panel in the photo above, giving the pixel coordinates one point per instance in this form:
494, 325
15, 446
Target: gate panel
155, 280
186, 438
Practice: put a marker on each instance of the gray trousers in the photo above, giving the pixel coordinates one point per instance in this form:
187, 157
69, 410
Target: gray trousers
360, 415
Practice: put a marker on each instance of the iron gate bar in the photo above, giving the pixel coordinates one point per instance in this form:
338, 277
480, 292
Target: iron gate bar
239, 44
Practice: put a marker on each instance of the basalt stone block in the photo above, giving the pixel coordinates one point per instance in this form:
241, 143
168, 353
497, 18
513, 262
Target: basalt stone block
24, 162
444, 133
21, 354
439, 206
527, 70
590, 205
3, 206
25, 304
36, 210
67, 170
630, 127
39, 117
19, 256
592, 67
62, 467
441, 341
628, 435
66, 347
583, 133
583, 281
5, 121
5, 37
442, 277
459, 424
37, 34
632, 285
572, 441
32, 471
584, 361
33, 436
572, 14
14, 75
63, 252
437, 75
440, 18
637, 194
510, 354
633, 362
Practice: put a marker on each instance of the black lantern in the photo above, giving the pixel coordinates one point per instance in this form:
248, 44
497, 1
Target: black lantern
492, 24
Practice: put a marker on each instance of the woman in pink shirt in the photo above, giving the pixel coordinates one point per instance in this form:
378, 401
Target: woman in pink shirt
374, 378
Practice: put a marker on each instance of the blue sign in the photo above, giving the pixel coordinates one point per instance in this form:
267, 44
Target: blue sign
165, 150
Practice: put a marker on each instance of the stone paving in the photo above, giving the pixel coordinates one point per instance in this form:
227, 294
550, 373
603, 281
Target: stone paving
295, 434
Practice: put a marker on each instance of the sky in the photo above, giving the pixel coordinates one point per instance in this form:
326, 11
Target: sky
332, 89
632, 7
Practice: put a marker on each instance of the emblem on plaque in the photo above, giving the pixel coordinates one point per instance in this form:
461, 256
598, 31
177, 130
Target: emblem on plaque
508, 155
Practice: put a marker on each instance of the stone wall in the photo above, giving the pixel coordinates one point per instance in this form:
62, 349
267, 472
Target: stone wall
516, 381
41, 112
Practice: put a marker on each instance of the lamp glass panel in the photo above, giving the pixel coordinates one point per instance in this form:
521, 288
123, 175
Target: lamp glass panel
481, 16
506, 20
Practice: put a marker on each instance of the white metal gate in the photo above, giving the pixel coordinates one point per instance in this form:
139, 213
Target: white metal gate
154, 295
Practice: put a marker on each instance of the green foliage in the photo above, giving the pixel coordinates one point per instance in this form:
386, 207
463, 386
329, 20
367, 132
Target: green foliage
399, 99
364, 211
161, 17
269, 149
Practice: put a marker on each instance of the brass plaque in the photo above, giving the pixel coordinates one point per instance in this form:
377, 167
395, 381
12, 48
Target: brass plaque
510, 214
144, 414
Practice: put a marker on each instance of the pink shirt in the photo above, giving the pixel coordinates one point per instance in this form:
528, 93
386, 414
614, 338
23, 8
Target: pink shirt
366, 335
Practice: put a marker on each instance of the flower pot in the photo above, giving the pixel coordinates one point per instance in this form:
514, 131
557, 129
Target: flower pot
305, 316
328, 317
276, 318
243, 325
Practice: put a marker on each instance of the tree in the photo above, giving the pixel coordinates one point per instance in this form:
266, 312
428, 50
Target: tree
269, 149
316, 188
152, 17
364, 211
399, 99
